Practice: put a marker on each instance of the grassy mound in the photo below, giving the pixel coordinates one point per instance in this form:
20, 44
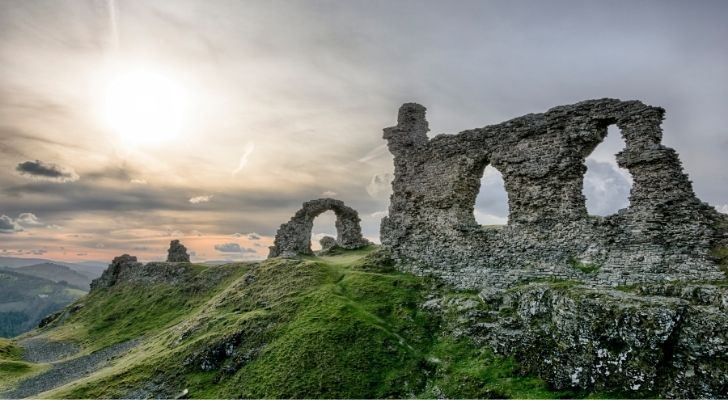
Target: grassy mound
12, 367
342, 326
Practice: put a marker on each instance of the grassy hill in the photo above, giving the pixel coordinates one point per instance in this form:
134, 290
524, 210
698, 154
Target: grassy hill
25, 300
339, 326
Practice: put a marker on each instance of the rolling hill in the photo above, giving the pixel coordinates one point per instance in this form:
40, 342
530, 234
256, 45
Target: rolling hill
26, 299
57, 273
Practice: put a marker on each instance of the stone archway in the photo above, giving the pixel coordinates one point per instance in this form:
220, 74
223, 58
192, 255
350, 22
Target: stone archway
294, 237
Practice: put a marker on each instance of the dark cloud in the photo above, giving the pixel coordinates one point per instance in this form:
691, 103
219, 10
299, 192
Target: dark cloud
46, 171
232, 248
8, 225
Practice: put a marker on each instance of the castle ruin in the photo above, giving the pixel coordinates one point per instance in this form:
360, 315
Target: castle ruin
665, 234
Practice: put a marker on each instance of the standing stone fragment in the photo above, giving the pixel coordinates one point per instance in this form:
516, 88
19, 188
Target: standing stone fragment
177, 252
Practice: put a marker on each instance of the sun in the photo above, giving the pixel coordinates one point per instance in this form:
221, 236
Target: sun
144, 106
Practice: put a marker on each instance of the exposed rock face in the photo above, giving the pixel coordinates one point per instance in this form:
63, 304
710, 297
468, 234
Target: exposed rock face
126, 268
327, 243
294, 237
674, 345
665, 234
177, 252
121, 266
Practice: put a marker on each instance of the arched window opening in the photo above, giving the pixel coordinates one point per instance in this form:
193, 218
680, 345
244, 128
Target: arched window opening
606, 184
491, 204
323, 225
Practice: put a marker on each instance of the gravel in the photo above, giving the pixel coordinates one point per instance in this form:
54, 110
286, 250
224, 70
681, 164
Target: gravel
65, 371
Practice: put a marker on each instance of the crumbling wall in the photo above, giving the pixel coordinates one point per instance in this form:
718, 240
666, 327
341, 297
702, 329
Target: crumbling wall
294, 237
666, 233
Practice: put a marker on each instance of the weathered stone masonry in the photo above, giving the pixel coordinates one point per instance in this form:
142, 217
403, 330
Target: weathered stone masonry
665, 234
294, 237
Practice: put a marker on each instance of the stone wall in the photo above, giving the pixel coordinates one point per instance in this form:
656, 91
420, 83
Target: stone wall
294, 237
665, 234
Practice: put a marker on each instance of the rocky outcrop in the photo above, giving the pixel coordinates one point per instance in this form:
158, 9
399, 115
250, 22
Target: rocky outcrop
603, 340
177, 252
120, 267
126, 268
294, 237
666, 234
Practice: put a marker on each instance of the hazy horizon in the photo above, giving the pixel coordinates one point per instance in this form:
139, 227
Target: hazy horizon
268, 104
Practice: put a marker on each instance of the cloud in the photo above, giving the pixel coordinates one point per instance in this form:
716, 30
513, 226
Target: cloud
138, 181
606, 188
8, 225
250, 236
244, 158
376, 153
380, 185
201, 199
379, 214
329, 193
46, 171
723, 208
28, 219
232, 248
253, 236
489, 219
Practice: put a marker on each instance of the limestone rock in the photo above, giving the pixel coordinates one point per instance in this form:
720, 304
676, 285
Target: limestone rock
327, 243
177, 252
120, 266
599, 339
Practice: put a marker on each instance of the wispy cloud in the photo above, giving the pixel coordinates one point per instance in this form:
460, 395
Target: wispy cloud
244, 158
380, 185
201, 199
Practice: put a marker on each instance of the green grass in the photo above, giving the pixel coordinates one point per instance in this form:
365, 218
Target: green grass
341, 326
721, 256
12, 367
128, 311
587, 268
9, 351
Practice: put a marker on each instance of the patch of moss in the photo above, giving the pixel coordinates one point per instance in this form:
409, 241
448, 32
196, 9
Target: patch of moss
720, 254
587, 268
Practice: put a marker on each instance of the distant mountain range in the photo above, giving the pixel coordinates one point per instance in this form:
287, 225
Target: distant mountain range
91, 269
32, 288
58, 273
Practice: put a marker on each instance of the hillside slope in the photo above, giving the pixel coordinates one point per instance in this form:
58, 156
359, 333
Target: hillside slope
25, 300
350, 326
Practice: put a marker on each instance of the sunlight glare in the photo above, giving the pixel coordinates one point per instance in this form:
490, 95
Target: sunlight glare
145, 107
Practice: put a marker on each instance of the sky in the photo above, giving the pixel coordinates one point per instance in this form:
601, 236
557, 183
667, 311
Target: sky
258, 106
